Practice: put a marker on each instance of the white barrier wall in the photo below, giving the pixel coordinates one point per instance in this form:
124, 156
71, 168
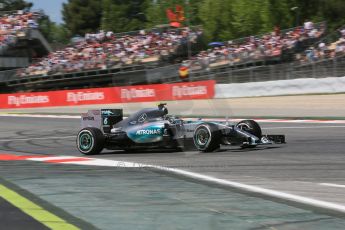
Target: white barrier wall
282, 87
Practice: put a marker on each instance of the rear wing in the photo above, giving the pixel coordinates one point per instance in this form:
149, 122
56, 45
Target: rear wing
102, 119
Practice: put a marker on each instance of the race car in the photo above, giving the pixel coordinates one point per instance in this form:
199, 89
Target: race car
153, 128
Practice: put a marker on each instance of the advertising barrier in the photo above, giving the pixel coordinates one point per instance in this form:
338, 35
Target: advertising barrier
124, 94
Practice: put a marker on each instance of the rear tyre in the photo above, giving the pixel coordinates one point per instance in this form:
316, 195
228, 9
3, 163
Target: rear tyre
207, 137
90, 141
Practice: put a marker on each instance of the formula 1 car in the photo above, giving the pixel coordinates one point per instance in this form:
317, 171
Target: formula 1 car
154, 128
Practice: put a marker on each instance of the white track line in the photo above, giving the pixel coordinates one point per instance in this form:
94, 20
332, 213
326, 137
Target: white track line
333, 185
48, 158
107, 163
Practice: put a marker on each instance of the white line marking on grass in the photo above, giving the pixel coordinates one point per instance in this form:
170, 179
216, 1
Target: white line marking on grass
37, 138
333, 185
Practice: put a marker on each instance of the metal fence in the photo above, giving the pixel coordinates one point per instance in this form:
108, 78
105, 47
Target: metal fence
334, 67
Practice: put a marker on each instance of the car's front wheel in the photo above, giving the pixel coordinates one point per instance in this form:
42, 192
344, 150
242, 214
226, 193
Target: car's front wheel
252, 127
90, 141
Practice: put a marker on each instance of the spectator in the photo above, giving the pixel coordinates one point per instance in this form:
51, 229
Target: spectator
308, 25
324, 50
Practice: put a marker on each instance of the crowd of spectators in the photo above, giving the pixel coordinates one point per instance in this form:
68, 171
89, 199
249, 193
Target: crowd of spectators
323, 50
253, 48
105, 49
14, 25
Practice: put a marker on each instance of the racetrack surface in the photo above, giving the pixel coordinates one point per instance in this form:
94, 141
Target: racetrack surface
311, 164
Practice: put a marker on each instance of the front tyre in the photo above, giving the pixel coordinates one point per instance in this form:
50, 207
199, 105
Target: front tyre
207, 137
250, 126
90, 141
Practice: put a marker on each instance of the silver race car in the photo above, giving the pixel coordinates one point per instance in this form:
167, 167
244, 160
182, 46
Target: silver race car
154, 128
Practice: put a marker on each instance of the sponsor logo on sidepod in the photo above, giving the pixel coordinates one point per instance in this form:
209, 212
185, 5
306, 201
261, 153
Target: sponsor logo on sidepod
22, 100
178, 91
148, 132
81, 96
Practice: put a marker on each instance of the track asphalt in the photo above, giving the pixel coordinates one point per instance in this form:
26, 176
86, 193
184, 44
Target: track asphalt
311, 164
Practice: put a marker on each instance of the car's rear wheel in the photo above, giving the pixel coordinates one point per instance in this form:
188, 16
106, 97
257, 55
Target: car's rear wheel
90, 141
207, 137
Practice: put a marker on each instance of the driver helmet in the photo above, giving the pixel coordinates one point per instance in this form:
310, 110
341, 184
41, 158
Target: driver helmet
162, 106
